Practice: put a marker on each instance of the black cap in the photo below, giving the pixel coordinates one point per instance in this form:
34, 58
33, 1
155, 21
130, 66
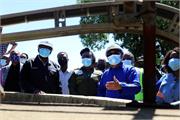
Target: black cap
84, 50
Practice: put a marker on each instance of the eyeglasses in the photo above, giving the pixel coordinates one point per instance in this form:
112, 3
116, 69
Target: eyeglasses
22, 57
111, 52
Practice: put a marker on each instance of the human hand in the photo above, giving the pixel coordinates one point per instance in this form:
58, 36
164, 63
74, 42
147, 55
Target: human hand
2, 94
113, 85
13, 43
39, 92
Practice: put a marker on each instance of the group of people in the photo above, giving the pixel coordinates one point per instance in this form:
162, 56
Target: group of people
117, 79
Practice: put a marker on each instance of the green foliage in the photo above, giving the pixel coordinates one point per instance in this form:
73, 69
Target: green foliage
173, 3
94, 40
133, 42
165, 46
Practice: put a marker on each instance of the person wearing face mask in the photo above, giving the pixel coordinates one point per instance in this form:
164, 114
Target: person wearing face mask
101, 65
84, 80
64, 74
40, 75
128, 59
12, 80
23, 57
119, 81
4, 62
169, 88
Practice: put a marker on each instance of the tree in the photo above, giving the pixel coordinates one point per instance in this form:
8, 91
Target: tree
94, 40
133, 42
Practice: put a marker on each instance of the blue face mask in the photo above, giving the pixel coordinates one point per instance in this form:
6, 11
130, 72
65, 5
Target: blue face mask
44, 52
23, 60
127, 62
174, 64
15, 58
114, 59
87, 62
3, 62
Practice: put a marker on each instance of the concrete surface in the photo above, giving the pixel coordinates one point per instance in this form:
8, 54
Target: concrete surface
70, 112
22, 106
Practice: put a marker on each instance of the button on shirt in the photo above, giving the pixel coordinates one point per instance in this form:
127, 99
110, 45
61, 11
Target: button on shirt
64, 78
169, 89
128, 78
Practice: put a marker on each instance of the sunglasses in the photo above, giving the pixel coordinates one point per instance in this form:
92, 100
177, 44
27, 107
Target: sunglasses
113, 52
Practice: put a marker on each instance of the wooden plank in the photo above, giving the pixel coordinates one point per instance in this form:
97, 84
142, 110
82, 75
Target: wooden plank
69, 30
167, 36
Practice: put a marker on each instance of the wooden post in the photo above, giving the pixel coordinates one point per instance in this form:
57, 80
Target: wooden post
0, 33
56, 19
149, 34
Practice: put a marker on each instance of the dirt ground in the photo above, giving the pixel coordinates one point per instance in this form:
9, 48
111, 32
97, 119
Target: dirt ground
72, 112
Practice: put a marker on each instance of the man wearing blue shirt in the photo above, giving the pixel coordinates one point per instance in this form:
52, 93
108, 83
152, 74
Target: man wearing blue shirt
119, 81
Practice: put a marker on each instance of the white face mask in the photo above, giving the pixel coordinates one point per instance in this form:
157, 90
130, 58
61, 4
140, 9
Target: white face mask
3, 62
127, 62
87, 62
114, 59
23, 60
174, 64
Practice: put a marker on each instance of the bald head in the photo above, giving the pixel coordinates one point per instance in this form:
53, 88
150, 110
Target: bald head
63, 60
62, 55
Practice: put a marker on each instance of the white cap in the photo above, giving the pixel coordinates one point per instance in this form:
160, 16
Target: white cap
114, 47
46, 43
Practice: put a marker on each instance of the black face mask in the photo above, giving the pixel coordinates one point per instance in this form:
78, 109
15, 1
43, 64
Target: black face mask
63, 64
101, 67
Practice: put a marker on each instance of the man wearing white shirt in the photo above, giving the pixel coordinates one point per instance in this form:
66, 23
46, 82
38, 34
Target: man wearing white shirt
64, 74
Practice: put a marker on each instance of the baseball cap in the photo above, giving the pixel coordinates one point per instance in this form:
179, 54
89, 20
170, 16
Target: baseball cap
46, 43
114, 47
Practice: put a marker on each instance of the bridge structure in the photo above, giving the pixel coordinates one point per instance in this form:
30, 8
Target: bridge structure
123, 16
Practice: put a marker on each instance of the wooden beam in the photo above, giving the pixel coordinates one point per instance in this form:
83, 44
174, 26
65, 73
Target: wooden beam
71, 30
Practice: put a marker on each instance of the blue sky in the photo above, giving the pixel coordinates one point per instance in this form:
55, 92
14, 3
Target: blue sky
70, 44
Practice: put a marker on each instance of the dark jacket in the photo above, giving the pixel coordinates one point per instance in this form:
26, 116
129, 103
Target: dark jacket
83, 82
38, 77
12, 80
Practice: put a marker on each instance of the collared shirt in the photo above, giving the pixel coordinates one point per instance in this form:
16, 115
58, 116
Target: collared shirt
64, 78
128, 78
169, 89
3, 48
44, 63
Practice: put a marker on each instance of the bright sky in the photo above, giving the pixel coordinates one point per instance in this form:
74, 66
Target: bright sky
70, 44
